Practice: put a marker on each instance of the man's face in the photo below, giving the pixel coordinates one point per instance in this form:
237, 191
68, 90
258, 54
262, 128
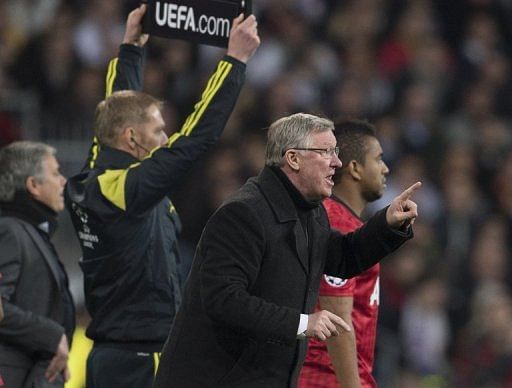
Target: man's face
50, 189
151, 134
373, 172
316, 170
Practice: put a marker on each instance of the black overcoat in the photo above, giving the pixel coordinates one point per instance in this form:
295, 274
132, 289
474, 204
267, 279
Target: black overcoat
254, 273
32, 298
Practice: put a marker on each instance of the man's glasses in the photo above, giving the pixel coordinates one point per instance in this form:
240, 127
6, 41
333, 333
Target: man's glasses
324, 152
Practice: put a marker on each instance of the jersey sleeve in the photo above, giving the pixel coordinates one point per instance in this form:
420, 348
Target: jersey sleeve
333, 286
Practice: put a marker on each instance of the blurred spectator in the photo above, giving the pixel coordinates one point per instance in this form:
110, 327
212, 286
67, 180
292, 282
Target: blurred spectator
357, 22
415, 24
9, 129
502, 189
48, 62
481, 39
490, 256
425, 328
410, 169
32, 16
98, 34
418, 115
399, 273
484, 351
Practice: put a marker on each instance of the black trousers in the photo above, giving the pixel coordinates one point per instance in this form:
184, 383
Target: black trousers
114, 367
18, 377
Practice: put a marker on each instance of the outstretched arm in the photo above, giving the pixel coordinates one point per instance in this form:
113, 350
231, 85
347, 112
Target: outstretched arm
387, 230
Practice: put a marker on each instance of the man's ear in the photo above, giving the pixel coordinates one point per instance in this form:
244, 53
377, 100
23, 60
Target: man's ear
292, 159
32, 186
354, 169
127, 138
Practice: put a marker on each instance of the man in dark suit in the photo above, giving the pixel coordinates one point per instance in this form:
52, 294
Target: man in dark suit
39, 312
249, 301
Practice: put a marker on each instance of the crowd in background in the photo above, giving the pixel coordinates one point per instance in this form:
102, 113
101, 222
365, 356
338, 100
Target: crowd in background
434, 76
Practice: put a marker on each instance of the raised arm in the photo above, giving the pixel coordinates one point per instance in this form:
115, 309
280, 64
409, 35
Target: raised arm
125, 72
387, 230
144, 184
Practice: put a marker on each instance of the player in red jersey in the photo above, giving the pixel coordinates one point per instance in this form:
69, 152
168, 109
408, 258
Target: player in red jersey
347, 360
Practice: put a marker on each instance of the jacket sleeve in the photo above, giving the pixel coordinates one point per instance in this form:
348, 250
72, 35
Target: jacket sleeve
352, 253
124, 72
142, 185
231, 268
22, 328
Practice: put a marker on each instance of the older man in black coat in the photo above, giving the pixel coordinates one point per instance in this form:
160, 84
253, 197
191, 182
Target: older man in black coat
248, 303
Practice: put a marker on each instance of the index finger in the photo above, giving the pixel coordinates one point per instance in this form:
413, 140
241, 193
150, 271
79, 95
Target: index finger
407, 193
338, 321
344, 325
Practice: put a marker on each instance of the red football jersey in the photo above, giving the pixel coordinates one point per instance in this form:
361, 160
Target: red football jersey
364, 288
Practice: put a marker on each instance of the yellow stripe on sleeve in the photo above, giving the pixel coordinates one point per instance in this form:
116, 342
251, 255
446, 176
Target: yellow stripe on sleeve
198, 104
111, 76
109, 83
95, 151
212, 88
211, 81
173, 138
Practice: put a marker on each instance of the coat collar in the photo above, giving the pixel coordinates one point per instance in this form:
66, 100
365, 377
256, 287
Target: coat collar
277, 196
43, 245
108, 158
114, 159
36, 213
285, 210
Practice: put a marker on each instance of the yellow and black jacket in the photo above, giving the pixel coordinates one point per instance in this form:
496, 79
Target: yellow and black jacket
127, 225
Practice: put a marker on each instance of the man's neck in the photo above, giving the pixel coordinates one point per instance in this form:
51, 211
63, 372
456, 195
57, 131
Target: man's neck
37, 213
125, 148
297, 197
351, 196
